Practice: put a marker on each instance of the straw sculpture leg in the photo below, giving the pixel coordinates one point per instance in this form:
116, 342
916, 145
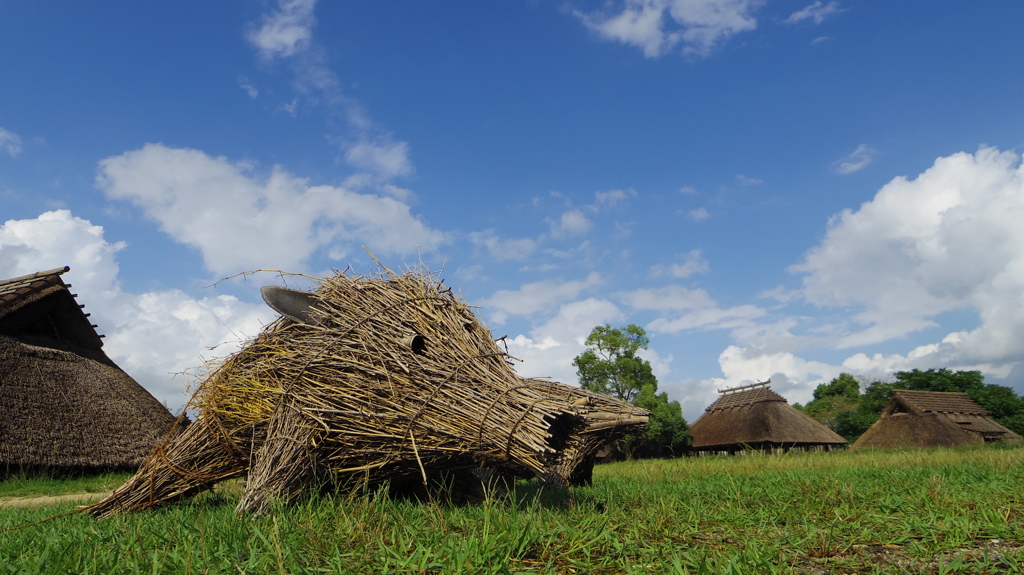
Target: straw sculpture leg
575, 465
285, 465
184, 465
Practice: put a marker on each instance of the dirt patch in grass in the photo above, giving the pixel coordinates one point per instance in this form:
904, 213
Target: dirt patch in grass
46, 500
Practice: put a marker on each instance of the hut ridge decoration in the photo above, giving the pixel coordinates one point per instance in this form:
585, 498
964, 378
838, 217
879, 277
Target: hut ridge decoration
378, 379
64, 404
755, 417
914, 418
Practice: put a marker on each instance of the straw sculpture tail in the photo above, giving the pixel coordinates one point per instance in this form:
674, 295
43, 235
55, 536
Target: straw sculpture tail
381, 379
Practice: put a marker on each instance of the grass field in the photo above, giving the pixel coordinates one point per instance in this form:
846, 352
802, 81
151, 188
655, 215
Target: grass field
931, 511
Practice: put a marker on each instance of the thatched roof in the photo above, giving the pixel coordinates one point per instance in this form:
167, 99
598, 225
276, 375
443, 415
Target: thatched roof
63, 402
41, 305
757, 417
932, 418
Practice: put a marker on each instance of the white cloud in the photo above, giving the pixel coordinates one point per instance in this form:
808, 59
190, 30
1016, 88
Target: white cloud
692, 263
549, 349
700, 311
698, 214
747, 180
286, 31
536, 297
152, 335
793, 377
10, 142
668, 298
56, 239
857, 160
707, 319
572, 223
948, 240
386, 158
241, 221
503, 249
604, 200
252, 91
816, 12
779, 294
658, 26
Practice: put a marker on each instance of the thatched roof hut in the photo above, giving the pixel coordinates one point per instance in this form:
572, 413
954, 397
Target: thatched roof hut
63, 403
932, 418
755, 417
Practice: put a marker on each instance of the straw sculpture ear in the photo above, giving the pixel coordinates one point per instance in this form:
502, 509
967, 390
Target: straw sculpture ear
294, 304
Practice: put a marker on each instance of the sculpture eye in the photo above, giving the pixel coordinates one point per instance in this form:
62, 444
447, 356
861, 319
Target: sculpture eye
416, 343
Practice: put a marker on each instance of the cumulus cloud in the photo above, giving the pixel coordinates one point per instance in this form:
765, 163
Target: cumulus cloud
699, 310
503, 249
252, 91
240, 220
793, 377
949, 239
152, 336
548, 350
816, 12
536, 297
387, 158
285, 31
658, 26
610, 198
691, 263
572, 223
10, 142
698, 214
857, 160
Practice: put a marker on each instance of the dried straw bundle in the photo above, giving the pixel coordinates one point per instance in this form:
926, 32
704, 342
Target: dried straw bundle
383, 379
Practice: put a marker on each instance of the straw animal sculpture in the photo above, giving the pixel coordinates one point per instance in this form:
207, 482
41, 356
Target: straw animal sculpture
378, 379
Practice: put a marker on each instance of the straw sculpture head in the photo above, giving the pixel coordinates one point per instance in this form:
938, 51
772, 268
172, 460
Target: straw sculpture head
378, 379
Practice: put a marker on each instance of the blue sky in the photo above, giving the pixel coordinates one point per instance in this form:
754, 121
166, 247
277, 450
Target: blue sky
772, 189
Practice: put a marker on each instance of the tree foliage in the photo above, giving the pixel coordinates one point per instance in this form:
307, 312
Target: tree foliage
610, 365
667, 434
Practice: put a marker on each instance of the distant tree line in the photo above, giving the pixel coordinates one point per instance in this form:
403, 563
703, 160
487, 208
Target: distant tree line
842, 406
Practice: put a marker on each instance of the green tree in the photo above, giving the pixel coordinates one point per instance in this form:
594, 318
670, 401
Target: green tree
667, 434
940, 380
610, 365
838, 405
843, 386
